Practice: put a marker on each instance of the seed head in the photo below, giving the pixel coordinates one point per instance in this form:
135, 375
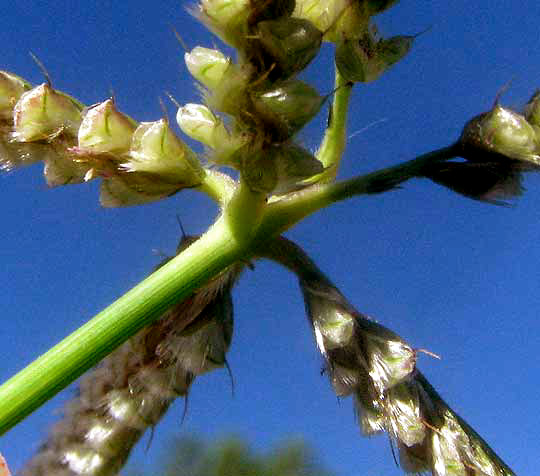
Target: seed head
287, 107
104, 129
500, 134
12, 88
290, 43
43, 113
156, 149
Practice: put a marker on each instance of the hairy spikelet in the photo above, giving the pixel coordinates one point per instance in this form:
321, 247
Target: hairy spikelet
376, 366
133, 387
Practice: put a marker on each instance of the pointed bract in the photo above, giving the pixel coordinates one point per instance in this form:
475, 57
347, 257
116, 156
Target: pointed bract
366, 59
104, 129
287, 107
291, 43
61, 169
491, 182
501, 133
258, 168
12, 88
20, 154
208, 66
294, 165
134, 188
156, 149
43, 113
277, 169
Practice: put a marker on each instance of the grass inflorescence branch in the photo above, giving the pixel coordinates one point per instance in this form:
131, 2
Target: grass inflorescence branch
252, 109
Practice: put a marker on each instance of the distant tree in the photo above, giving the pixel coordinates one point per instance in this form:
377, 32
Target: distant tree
232, 456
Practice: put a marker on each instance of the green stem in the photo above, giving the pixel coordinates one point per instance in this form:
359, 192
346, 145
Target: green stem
283, 214
54, 370
334, 141
246, 223
389, 178
218, 186
244, 212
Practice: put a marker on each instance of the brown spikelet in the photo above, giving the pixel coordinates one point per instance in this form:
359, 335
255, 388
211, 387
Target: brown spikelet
378, 368
133, 387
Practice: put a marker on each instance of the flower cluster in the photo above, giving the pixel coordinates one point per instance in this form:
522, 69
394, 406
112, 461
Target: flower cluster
253, 108
498, 146
137, 162
377, 367
265, 105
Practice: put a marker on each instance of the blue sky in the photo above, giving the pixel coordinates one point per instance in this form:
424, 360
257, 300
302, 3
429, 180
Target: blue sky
455, 276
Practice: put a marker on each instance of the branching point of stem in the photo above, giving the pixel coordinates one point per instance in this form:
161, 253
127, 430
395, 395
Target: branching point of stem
218, 186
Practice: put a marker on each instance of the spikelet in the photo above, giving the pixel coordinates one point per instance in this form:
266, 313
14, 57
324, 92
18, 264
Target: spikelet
337, 18
133, 387
501, 134
367, 58
498, 147
156, 150
138, 163
288, 44
226, 18
277, 169
378, 368
38, 124
287, 107
44, 113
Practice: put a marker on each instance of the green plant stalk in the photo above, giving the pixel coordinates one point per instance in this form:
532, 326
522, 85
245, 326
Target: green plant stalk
218, 186
219, 247
334, 141
55, 369
282, 214
246, 221
244, 212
